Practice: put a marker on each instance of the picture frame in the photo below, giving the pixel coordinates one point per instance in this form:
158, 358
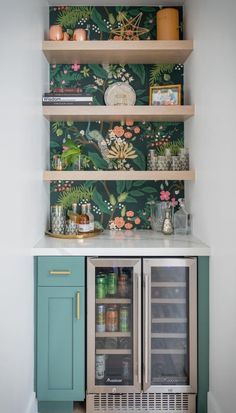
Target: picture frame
166, 95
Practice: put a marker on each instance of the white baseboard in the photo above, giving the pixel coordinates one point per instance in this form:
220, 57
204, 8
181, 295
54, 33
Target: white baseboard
33, 405
212, 404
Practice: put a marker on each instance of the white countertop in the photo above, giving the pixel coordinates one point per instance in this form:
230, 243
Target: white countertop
124, 243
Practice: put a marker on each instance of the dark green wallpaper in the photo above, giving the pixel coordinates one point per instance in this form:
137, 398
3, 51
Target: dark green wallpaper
118, 204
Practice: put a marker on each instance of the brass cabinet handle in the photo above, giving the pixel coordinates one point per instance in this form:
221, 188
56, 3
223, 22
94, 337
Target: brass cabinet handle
60, 272
78, 305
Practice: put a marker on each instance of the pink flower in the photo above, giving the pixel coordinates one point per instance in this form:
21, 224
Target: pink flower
137, 221
63, 82
75, 67
174, 202
165, 195
128, 225
119, 222
65, 72
130, 214
128, 135
137, 129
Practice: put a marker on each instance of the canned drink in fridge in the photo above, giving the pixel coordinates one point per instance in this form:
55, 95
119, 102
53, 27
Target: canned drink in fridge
123, 289
112, 283
112, 319
101, 318
124, 319
100, 366
101, 289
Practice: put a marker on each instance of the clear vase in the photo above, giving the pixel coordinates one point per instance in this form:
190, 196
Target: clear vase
157, 217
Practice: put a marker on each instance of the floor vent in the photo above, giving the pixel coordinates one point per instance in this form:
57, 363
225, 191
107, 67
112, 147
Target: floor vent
141, 402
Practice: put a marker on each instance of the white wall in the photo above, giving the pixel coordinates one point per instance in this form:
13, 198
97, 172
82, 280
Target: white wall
23, 196
211, 85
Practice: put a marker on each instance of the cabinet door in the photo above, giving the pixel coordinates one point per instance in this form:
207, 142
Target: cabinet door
60, 343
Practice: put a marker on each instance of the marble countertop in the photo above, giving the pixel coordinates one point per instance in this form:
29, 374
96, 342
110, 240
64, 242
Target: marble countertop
124, 243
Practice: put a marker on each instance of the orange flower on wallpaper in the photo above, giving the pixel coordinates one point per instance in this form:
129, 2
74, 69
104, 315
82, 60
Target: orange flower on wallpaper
128, 225
118, 131
130, 214
137, 129
128, 135
129, 122
119, 222
137, 221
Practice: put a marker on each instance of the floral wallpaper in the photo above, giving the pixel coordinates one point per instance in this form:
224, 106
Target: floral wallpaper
120, 204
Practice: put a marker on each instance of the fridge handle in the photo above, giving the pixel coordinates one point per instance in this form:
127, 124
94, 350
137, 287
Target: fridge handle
146, 326
139, 326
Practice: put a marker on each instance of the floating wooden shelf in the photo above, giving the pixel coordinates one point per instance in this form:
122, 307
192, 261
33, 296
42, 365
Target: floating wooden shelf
118, 176
178, 113
117, 52
113, 334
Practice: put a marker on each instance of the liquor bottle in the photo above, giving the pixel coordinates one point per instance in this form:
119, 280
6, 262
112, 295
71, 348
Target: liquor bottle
73, 215
91, 217
84, 225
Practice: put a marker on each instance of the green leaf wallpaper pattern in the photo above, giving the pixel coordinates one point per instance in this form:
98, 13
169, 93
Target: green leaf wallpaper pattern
120, 204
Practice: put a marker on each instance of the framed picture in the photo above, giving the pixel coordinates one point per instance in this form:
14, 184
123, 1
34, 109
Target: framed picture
165, 95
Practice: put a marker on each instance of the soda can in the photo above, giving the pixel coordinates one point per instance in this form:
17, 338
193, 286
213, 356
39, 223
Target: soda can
101, 319
112, 319
112, 283
101, 289
100, 366
124, 319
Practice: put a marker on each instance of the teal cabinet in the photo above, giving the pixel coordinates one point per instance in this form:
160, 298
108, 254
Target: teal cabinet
60, 340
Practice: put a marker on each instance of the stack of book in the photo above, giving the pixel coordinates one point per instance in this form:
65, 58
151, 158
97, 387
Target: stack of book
67, 97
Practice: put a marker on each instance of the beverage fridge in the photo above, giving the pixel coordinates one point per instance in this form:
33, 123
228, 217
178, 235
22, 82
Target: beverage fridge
141, 334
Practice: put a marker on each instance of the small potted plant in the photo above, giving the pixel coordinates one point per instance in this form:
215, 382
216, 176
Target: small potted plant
72, 155
174, 149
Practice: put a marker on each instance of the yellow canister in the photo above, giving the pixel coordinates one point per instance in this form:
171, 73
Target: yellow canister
168, 24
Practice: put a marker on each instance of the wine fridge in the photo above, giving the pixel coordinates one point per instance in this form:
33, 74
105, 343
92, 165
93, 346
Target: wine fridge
141, 334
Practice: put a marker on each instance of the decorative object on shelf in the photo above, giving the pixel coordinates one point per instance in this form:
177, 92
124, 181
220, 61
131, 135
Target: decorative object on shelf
182, 220
152, 160
120, 94
129, 28
57, 220
55, 32
184, 158
71, 227
80, 35
168, 157
72, 155
66, 37
58, 163
167, 227
68, 99
176, 164
78, 236
167, 95
162, 163
168, 24
157, 217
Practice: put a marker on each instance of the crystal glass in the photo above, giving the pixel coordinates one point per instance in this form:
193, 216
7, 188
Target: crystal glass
162, 163
152, 160
184, 158
57, 219
176, 164
158, 214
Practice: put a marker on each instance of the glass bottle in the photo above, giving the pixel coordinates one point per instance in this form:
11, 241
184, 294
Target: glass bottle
182, 220
167, 227
91, 217
73, 215
84, 225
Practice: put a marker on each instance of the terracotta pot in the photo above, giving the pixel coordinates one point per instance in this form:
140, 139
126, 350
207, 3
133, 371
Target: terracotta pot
66, 36
55, 33
168, 24
80, 35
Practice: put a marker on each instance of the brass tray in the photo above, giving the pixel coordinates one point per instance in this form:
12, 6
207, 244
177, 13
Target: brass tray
79, 236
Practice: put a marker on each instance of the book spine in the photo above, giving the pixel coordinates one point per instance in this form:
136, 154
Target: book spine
68, 99
66, 95
67, 103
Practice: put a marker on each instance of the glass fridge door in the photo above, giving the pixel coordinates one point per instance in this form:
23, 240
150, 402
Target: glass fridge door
170, 325
114, 322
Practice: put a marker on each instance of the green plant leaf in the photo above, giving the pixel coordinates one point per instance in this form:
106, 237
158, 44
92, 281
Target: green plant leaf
98, 71
135, 193
67, 198
97, 160
140, 161
97, 198
120, 186
139, 183
129, 185
139, 71
130, 199
148, 189
96, 17
158, 70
